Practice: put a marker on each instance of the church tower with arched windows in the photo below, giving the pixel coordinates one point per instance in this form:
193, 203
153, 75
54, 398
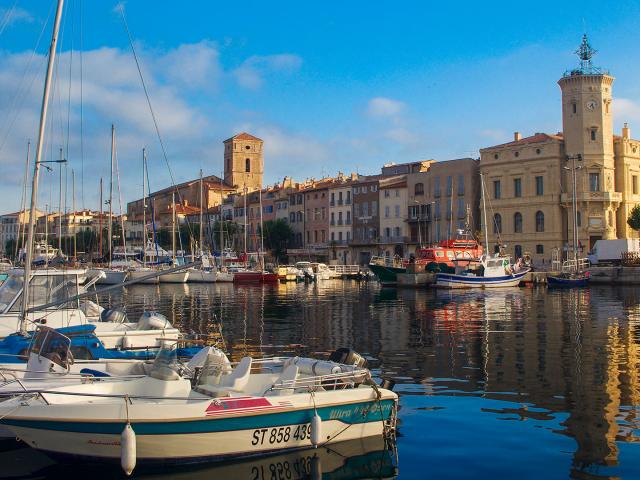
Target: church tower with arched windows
243, 162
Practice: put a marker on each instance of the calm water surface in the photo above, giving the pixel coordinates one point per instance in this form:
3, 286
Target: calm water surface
515, 383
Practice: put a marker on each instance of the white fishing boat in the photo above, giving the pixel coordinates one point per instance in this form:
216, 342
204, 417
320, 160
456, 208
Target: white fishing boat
257, 407
489, 272
493, 272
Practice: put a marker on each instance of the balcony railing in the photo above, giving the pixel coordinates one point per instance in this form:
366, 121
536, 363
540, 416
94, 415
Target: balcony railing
340, 221
394, 239
613, 197
347, 221
347, 201
332, 203
340, 202
332, 222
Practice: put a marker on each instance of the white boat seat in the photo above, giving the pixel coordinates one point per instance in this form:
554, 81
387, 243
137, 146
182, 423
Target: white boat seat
288, 376
236, 381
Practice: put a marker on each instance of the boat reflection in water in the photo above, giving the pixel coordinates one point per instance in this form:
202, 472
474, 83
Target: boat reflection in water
357, 459
513, 383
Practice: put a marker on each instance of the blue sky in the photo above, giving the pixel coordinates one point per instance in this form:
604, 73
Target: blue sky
328, 85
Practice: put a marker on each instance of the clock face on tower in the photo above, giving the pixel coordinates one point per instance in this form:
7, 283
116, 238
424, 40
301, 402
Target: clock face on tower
591, 105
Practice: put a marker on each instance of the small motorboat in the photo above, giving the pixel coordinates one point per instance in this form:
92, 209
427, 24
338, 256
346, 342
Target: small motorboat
257, 406
568, 280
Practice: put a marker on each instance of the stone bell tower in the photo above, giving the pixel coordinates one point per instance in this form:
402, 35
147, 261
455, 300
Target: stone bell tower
244, 162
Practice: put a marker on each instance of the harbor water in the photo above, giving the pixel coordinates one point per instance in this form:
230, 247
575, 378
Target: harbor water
510, 383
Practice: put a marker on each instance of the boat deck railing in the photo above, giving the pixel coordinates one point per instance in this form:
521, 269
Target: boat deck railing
334, 381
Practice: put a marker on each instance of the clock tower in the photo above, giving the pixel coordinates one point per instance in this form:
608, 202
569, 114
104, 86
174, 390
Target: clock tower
586, 110
588, 131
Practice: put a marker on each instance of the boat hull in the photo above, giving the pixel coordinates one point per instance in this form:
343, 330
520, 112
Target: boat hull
218, 435
254, 277
560, 282
174, 277
387, 275
135, 274
451, 280
113, 277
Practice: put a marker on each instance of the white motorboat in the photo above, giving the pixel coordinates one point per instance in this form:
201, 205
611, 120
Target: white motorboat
258, 407
53, 287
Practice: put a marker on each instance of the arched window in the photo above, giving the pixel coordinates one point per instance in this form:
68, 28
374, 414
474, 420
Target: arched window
497, 223
247, 165
517, 222
419, 189
539, 221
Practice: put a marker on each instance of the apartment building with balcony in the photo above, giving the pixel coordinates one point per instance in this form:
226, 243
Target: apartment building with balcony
394, 228
440, 199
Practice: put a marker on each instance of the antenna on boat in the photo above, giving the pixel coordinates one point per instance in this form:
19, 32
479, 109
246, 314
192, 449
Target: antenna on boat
36, 168
484, 215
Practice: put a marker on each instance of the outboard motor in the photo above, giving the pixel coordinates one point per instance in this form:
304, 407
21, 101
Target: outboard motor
348, 356
113, 315
153, 321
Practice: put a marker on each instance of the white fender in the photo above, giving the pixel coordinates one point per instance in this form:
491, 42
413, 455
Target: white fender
128, 449
316, 430
126, 343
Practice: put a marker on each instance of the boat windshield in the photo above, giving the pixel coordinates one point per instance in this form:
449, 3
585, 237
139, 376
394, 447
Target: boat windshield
52, 288
9, 290
53, 345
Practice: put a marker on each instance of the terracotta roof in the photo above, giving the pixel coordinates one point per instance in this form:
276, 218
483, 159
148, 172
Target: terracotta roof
537, 138
186, 210
212, 180
243, 136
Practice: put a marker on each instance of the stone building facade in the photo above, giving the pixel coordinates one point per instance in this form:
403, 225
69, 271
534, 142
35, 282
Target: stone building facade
529, 181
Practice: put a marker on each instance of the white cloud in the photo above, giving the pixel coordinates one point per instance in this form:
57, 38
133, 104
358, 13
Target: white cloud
253, 70
494, 134
626, 110
382, 107
11, 16
193, 65
401, 135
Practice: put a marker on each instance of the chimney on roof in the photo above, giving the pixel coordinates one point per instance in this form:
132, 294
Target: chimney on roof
626, 132
516, 136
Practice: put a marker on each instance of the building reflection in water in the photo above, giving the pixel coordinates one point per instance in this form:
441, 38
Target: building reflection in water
567, 354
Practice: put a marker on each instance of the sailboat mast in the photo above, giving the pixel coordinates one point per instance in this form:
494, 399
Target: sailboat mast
245, 222
484, 216
36, 169
201, 217
110, 224
23, 207
100, 222
220, 224
261, 232
144, 207
73, 207
60, 206
575, 213
173, 227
